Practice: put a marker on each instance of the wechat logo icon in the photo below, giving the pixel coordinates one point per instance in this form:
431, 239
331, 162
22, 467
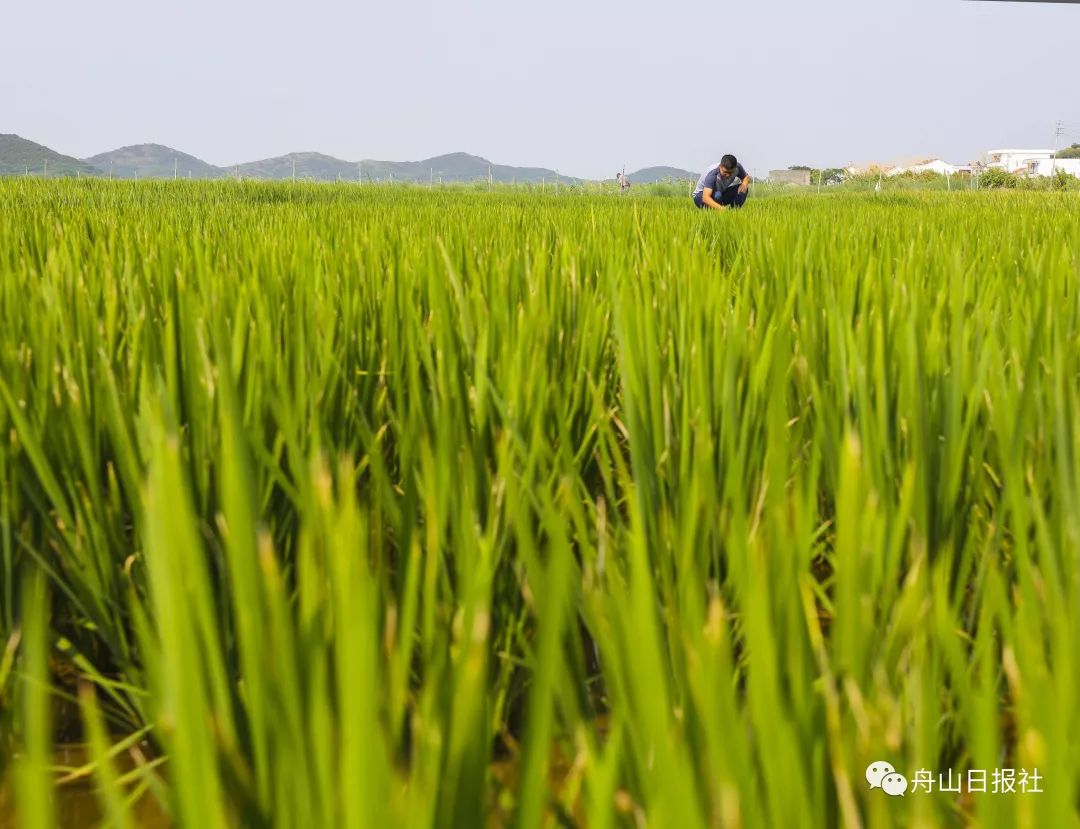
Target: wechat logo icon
882, 775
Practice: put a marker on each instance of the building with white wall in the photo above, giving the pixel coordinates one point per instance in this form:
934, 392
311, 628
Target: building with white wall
931, 165
1024, 162
1020, 162
1069, 165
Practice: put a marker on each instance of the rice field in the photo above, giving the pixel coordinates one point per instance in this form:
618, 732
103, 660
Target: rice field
352, 506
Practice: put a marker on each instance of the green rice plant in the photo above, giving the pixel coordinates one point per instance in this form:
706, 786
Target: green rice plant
372, 506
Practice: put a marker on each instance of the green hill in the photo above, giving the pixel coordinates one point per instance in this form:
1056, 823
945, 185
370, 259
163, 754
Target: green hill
18, 157
308, 166
454, 167
152, 161
648, 175
158, 161
459, 167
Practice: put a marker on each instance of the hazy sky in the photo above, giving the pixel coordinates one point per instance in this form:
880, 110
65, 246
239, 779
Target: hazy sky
581, 85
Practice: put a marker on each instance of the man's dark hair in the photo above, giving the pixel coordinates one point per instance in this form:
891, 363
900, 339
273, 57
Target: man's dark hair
729, 162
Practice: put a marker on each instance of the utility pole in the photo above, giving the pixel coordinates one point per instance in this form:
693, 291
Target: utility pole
489, 177
431, 177
1059, 130
294, 171
175, 166
110, 168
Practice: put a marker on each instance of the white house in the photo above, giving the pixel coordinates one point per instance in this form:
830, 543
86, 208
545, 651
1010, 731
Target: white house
1069, 165
931, 165
1032, 162
1021, 162
1025, 162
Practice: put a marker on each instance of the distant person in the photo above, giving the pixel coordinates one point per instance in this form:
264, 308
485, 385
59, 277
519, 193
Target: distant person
624, 182
723, 185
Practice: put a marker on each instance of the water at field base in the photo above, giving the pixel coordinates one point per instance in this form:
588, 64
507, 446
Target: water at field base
76, 803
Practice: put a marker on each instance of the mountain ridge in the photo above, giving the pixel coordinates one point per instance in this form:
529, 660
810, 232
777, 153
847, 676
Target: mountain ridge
152, 161
19, 156
449, 167
648, 175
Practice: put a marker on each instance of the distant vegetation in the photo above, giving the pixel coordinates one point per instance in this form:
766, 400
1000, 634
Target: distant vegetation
989, 179
826, 175
995, 179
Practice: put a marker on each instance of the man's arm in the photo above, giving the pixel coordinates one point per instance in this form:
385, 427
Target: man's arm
745, 184
709, 201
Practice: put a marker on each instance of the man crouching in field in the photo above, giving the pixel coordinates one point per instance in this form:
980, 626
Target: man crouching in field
723, 185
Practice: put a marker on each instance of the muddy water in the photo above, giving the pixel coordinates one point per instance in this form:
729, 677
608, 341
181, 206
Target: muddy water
76, 803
